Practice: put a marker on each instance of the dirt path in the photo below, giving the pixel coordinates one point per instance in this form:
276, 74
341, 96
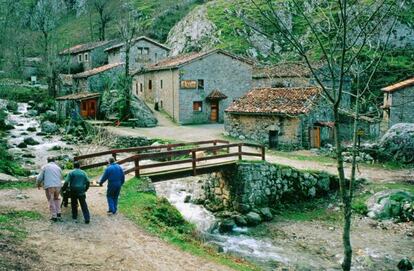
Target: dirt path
108, 243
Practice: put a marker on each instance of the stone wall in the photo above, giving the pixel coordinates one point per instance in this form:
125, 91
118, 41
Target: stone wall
255, 185
401, 110
257, 127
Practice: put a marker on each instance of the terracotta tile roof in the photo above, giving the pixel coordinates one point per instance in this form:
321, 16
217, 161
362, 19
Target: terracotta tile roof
97, 70
216, 95
293, 101
287, 69
400, 85
119, 45
79, 96
85, 47
176, 61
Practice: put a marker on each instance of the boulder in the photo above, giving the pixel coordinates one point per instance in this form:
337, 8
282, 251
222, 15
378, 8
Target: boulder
50, 115
142, 113
7, 178
32, 113
226, 225
31, 129
49, 127
391, 204
398, 142
240, 221
146, 186
187, 199
30, 141
405, 265
22, 145
266, 214
253, 219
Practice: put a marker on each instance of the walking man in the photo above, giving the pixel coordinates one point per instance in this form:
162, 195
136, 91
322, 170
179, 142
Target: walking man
114, 174
78, 183
51, 178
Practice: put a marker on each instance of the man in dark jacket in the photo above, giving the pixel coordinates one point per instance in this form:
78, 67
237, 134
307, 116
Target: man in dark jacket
78, 183
114, 174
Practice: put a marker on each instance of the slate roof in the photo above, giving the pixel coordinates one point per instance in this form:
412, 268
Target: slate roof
177, 61
84, 47
291, 101
79, 96
119, 45
216, 95
287, 69
97, 70
399, 85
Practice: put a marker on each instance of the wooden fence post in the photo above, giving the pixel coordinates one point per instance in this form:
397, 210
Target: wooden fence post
114, 155
215, 144
193, 154
263, 153
240, 150
136, 161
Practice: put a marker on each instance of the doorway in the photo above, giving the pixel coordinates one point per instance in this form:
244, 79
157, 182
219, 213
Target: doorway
88, 108
315, 137
214, 115
273, 139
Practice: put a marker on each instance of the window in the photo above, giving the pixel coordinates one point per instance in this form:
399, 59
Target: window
136, 88
80, 58
140, 87
200, 84
161, 84
156, 57
150, 84
86, 57
197, 106
145, 51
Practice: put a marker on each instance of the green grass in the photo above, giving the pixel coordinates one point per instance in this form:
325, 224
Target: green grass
159, 217
17, 185
95, 172
11, 223
22, 94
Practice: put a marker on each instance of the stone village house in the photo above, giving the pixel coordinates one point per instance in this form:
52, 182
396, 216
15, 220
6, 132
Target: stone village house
84, 57
143, 51
82, 91
85, 89
398, 104
195, 87
281, 117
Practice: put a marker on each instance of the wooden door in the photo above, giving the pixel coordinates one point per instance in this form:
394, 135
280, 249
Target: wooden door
315, 137
88, 108
273, 139
214, 111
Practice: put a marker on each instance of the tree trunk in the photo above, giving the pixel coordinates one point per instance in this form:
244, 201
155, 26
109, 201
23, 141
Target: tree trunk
344, 191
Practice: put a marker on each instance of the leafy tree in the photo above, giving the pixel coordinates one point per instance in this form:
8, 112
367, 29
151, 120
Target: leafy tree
104, 14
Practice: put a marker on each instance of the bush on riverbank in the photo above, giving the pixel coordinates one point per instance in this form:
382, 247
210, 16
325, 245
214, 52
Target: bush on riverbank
22, 94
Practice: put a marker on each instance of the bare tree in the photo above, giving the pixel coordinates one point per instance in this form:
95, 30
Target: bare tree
104, 14
128, 27
44, 19
340, 31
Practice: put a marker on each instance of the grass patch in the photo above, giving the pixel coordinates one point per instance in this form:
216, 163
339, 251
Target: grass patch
314, 210
22, 94
95, 172
17, 185
159, 217
11, 223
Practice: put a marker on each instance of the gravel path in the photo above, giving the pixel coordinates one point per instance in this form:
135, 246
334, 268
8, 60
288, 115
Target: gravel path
108, 243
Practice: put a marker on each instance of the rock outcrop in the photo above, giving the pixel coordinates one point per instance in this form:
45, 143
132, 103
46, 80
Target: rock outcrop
391, 204
398, 142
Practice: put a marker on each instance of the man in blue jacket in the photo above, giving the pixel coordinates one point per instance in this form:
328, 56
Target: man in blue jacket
115, 176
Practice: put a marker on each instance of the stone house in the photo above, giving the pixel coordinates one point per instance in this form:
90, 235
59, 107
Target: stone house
195, 87
143, 51
96, 79
285, 118
398, 104
84, 57
81, 91
84, 104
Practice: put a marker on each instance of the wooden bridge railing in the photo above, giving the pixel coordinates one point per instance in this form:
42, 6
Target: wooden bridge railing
191, 155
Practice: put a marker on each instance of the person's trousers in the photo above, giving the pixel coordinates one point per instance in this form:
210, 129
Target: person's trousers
52, 195
112, 195
74, 199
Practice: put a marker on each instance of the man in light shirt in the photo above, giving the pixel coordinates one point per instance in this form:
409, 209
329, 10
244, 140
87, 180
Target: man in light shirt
51, 178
